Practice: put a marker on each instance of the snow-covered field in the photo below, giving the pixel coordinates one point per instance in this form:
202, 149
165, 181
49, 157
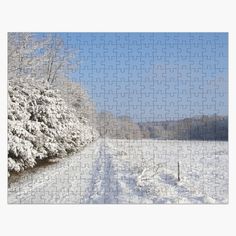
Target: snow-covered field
130, 171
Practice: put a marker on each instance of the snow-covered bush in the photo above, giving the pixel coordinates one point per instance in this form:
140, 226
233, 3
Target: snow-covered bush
77, 98
40, 125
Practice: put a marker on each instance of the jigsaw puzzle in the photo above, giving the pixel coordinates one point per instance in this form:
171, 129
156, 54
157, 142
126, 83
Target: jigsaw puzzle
118, 118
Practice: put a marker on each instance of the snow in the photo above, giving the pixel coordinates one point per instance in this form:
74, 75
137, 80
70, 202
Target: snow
41, 125
130, 171
153, 165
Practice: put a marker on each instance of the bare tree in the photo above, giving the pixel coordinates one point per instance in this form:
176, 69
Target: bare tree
23, 59
60, 60
40, 57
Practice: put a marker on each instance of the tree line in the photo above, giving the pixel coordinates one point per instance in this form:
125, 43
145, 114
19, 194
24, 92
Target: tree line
205, 127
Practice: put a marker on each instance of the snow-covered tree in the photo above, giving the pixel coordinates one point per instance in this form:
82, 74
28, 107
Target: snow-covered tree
23, 59
117, 127
47, 57
77, 98
41, 126
59, 60
40, 56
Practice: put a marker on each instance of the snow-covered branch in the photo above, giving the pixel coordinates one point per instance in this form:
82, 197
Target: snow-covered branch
41, 125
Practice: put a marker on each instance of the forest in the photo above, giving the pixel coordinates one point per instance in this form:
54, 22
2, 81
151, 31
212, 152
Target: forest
205, 127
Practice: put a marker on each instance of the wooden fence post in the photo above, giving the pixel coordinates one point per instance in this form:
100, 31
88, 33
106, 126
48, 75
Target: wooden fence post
178, 171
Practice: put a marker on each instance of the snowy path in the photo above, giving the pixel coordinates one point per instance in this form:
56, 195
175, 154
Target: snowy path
62, 182
121, 171
104, 186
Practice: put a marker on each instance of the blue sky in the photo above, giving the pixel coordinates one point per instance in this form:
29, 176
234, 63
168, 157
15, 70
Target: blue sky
154, 76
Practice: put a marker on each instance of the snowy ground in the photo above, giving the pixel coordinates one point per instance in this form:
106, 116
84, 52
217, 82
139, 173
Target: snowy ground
130, 171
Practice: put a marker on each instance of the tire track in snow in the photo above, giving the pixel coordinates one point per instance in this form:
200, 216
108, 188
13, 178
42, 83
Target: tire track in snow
104, 186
